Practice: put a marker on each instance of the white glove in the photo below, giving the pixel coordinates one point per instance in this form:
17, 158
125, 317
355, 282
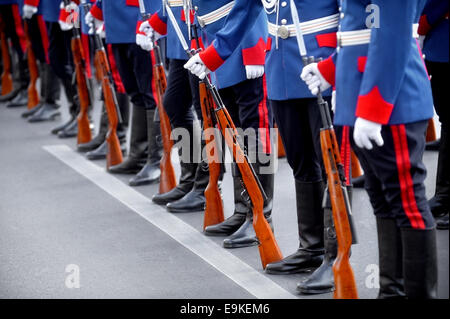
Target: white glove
29, 11
144, 42
365, 131
100, 30
254, 71
149, 31
333, 101
196, 66
314, 79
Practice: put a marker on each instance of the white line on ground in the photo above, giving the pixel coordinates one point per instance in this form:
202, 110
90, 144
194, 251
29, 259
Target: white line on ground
228, 264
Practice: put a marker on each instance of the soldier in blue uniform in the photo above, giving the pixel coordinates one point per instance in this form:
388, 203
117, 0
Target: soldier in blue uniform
296, 114
384, 93
182, 104
434, 27
11, 19
61, 61
135, 69
241, 85
50, 87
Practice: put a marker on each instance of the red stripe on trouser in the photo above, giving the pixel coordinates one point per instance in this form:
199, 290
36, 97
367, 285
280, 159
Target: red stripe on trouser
44, 36
87, 56
152, 56
115, 73
345, 152
19, 28
264, 126
404, 176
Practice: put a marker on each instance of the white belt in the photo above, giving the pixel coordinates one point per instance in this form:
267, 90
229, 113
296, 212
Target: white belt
308, 27
215, 15
349, 38
175, 3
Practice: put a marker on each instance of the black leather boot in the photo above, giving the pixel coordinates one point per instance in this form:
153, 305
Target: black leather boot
70, 128
99, 139
21, 99
390, 254
235, 221
195, 200
310, 218
98, 153
245, 236
440, 203
151, 172
419, 263
50, 92
137, 156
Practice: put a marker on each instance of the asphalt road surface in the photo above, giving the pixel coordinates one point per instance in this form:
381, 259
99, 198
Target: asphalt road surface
68, 229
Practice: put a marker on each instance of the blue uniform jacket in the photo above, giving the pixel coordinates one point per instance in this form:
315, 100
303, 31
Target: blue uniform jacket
435, 26
283, 62
159, 22
384, 81
121, 17
251, 50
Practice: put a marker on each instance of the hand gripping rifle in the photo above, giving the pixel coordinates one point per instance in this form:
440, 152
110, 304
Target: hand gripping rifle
114, 154
214, 211
6, 78
84, 93
33, 96
268, 247
168, 180
340, 203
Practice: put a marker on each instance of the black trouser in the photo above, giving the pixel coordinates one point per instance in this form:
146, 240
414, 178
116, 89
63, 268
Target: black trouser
247, 105
299, 123
181, 94
439, 73
136, 71
37, 30
59, 51
10, 19
395, 176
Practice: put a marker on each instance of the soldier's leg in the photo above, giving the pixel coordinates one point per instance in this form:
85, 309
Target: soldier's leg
178, 105
297, 120
440, 203
398, 166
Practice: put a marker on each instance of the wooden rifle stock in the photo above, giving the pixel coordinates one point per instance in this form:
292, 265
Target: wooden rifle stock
268, 248
114, 154
84, 129
7, 81
431, 131
33, 95
168, 180
214, 213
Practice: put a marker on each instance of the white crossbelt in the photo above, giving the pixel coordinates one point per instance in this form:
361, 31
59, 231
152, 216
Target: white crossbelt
359, 37
308, 27
175, 3
215, 15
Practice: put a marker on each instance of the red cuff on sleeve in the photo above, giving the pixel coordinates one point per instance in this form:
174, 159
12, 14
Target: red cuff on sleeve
211, 58
328, 70
327, 40
133, 3
97, 13
374, 108
424, 26
255, 55
33, 3
157, 24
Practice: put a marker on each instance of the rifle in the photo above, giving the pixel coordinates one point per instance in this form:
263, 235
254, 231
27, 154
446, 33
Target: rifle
114, 154
7, 81
214, 206
214, 211
268, 247
344, 277
84, 129
33, 95
431, 131
168, 180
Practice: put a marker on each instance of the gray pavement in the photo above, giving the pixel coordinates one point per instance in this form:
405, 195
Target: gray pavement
51, 217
